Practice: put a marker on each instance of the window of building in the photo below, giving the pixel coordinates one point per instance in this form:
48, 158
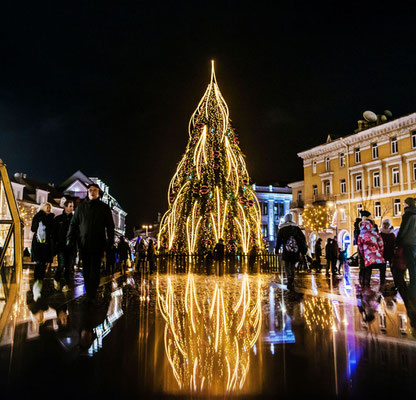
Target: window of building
358, 183
382, 320
327, 164
374, 150
300, 220
327, 187
414, 171
342, 160
299, 195
376, 179
343, 186
359, 208
377, 209
276, 209
396, 176
315, 189
357, 155
281, 209
265, 208
397, 208
314, 167
265, 230
343, 214
394, 146
413, 140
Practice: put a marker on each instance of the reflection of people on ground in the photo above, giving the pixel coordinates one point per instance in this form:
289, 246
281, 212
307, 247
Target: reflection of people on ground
42, 225
93, 226
370, 246
368, 302
294, 244
65, 254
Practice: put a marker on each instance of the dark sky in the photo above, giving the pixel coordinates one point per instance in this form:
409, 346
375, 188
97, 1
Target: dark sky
108, 87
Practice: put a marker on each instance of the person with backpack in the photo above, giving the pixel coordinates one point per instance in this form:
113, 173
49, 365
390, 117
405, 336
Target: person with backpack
294, 244
42, 227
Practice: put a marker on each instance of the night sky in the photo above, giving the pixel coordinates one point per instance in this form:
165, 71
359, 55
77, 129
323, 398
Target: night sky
109, 87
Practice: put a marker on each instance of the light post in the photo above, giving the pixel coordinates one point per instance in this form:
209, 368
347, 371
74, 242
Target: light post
147, 227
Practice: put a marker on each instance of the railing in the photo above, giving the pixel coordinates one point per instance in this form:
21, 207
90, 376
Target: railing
200, 263
297, 204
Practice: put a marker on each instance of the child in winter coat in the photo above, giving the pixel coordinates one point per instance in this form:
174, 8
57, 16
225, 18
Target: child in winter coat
370, 246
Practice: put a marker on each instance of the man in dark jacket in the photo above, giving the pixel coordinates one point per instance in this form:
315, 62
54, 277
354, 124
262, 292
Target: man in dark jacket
294, 244
406, 238
66, 255
93, 227
219, 250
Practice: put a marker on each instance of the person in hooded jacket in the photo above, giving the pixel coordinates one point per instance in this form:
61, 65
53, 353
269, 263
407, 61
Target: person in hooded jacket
293, 241
92, 226
370, 246
406, 238
42, 226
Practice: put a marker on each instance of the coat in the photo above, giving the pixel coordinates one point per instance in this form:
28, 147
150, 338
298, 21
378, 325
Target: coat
42, 252
407, 231
92, 226
287, 230
370, 245
123, 250
60, 230
389, 239
318, 251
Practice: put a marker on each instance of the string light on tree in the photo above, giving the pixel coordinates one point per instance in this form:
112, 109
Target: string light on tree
210, 196
316, 218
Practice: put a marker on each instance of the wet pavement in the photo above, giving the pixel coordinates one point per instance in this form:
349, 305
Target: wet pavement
204, 335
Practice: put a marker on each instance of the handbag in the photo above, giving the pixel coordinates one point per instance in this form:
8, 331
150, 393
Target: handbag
398, 261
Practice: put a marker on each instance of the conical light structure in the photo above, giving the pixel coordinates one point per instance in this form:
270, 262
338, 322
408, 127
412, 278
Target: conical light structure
210, 196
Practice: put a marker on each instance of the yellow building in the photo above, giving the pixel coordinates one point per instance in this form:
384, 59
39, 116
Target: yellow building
373, 169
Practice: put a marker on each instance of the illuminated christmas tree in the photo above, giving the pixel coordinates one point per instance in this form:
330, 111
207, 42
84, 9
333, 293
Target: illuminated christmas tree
210, 196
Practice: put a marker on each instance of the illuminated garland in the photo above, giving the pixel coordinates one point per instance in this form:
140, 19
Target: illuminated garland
210, 196
209, 330
316, 218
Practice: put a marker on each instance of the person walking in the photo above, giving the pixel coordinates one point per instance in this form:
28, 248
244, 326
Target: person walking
334, 256
93, 227
124, 252
318, 254
140, 249
65, 255
406, 239
328, 254
389, 239
42, 226
151, 255
294, 244
370, 246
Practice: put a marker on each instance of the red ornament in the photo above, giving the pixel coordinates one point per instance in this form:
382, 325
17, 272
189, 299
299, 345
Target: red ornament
216, 154
245, 182
250, 203
216, 166
204, 189
243, 200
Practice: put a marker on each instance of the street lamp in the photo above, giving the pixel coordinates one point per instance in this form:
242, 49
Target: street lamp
147, 227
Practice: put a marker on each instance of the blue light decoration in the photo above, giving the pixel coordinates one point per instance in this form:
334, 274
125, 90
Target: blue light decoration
190, 177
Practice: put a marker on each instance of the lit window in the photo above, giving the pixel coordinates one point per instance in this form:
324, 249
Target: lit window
397, 208
265, 208
414, 172
265, 230
394, 146
357, 156
343, 186
396, 176
374, 150
314, 167
315, 189
377, 209
327, 164
413, 140
376, 179
342, 160
358, 183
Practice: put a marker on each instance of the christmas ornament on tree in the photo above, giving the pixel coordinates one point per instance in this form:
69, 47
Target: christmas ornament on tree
205, 192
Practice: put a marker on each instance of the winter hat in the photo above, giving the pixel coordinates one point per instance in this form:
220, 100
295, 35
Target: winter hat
410, 201
93, 185
387, 221
288, 217
365, 213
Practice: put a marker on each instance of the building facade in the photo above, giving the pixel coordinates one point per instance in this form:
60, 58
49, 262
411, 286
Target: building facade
274, 205
373, 169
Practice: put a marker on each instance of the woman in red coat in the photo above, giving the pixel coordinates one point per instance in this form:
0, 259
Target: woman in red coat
370, 246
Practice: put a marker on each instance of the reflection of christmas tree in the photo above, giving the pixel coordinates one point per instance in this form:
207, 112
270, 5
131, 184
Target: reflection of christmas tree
209, 196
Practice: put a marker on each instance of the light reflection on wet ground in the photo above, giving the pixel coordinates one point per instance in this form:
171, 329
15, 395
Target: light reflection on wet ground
206, 335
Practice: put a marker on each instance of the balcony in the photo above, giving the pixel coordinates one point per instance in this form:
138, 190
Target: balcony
322, 198
296, 204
